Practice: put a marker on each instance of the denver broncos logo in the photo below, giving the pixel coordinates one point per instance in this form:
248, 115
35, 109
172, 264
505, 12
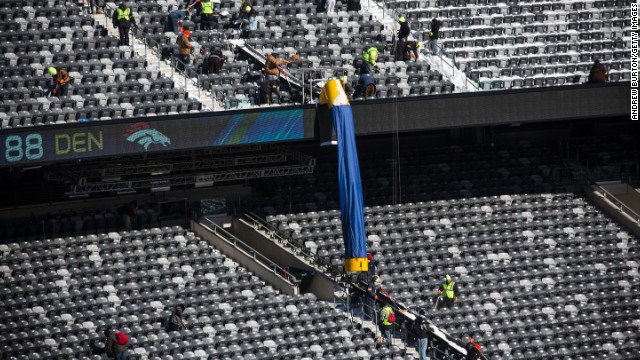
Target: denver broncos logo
142, 133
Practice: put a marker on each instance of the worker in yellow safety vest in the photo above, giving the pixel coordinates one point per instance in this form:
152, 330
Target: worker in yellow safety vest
206, 14
370, 56
449, 292
386, 319
123, 19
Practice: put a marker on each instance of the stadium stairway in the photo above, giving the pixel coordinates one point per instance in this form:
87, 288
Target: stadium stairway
360, 318
153, 61
441, 63
57, 300
252, 231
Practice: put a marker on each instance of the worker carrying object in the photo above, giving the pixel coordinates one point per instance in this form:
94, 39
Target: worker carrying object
373, 290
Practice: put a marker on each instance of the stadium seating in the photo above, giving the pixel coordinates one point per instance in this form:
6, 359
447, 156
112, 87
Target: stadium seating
526, 43
430, 173
500, 45
109, 82
334, 41
59, 295
533, 269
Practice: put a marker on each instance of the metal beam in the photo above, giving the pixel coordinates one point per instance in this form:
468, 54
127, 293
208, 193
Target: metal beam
155, 163
183, 180
194, 165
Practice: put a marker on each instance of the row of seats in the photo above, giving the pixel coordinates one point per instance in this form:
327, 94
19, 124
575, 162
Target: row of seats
33, 117
509, 254
77, 291
316, 36
524, 29
58, 34
505, 82
298, 25
407, 281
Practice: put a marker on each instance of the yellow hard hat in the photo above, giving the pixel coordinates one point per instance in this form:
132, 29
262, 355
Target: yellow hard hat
52, 71
448, 278
247, 9
401, 19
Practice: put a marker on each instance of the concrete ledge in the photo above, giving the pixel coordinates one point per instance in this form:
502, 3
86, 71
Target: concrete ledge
244, 259
321, 285
612, 210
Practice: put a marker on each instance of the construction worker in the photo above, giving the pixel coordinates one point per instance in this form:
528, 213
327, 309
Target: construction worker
372, 295
422, 329
53, 72
62, 83
175, 20
273, 66
434, 35
206, 14
363, 277
373, 291
403, 37
184, 49
405, 29
370, 56
449, 292
123, 19
215, 61
348, 90
410, 51
248, 19
473, 349
386, 319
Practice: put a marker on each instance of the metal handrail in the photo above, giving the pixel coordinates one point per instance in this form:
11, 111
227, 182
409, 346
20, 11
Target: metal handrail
257, 256
467, 81
441, 53
600, 169
368, 310
146, 41
259, 223
609, 196
370, 313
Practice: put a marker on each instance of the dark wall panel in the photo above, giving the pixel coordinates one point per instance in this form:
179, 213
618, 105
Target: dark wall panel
494, 107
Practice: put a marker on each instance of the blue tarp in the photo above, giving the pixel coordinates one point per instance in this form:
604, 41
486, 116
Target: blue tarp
351, 203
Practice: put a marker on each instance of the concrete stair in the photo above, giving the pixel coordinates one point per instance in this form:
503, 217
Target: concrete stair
152, 57
357, 316
442, 64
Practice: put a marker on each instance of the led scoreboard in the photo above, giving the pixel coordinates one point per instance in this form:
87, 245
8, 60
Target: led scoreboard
32, 145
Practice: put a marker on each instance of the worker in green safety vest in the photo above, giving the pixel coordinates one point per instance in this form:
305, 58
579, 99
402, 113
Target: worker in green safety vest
371, 55
123, 19
449, 292
386, 319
